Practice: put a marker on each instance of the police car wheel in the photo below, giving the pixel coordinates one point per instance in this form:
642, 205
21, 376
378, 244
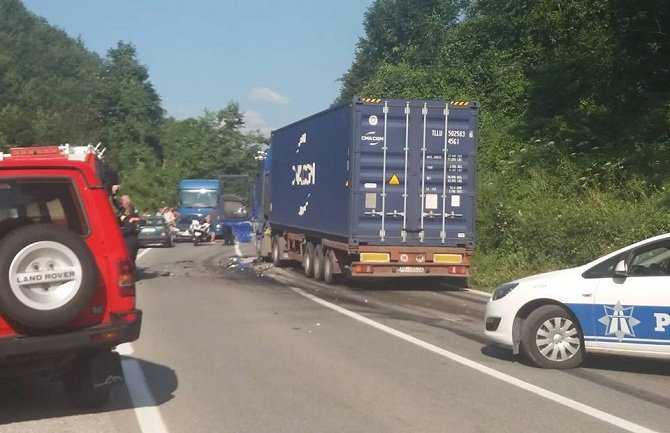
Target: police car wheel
551, 338
47, 276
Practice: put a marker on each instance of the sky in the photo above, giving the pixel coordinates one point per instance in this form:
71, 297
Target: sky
280, 59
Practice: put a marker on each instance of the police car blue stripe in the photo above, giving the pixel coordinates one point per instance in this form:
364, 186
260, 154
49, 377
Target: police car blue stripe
627, 341
640, 324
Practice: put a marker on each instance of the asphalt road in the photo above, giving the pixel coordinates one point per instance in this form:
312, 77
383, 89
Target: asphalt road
225, 349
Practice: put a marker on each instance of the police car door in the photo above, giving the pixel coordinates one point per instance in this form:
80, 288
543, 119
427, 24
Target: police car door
632, 312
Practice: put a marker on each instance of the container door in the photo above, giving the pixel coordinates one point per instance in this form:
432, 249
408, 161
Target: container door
448, 174
416, 181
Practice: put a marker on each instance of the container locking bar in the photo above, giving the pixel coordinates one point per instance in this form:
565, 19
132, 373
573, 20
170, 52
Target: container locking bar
375, 213
424, 112
382, 231
443, 233
451, 214
403, 234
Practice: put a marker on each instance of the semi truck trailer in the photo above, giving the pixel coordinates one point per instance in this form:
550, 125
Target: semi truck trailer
372, 188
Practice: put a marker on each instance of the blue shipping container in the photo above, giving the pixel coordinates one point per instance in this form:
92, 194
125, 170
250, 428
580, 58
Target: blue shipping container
378, 172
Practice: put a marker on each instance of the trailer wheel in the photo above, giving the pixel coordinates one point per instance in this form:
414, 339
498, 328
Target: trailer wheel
308, 260
328, 275
318, 263
278, 248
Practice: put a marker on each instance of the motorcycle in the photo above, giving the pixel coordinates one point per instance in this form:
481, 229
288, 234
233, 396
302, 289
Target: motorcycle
199, 232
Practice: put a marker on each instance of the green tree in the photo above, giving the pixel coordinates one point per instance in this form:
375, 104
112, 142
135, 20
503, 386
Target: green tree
399, 31
130, 110
47, 82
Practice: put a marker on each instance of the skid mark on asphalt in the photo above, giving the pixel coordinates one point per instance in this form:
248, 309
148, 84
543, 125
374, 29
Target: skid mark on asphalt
580, 407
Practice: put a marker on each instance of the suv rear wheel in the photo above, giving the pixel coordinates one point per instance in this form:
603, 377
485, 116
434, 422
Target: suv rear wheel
80, 386
47, 276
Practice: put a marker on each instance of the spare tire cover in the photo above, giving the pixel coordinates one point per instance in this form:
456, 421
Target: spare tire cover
47, 276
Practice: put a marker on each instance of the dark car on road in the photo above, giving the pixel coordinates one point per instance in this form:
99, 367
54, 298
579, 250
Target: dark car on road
155, 231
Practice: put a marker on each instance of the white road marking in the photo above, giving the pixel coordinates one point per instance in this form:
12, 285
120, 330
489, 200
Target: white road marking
148, 415
141, 253
125, 349
580, 407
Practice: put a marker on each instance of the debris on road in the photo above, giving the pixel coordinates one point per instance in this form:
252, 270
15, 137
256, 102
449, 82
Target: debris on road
243, 263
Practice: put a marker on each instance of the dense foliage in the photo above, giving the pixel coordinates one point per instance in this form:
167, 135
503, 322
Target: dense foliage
575, 125
53, 90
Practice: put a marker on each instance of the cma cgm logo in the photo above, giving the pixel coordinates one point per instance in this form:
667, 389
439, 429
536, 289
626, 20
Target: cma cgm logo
372, 137
304, 174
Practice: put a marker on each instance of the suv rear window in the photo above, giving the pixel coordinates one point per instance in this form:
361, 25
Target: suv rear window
53, 201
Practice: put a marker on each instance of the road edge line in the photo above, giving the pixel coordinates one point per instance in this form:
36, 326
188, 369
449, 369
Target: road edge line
147, 414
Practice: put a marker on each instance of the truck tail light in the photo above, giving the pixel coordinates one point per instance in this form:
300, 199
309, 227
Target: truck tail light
126, 278
363, 269
459, 270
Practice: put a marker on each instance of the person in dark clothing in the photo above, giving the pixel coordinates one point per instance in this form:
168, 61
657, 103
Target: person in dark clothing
128, 221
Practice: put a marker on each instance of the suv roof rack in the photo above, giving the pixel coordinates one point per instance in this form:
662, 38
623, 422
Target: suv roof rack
73, 153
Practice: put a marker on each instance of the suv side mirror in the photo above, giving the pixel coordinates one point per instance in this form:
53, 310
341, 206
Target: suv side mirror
621, 270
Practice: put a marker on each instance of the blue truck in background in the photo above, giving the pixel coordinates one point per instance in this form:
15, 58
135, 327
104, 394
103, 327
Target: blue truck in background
373, 188
230, 214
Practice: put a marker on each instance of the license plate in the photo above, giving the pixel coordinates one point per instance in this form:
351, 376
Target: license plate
148, 230
411, 269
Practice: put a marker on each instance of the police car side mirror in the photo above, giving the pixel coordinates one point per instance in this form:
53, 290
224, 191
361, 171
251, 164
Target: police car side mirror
621, 270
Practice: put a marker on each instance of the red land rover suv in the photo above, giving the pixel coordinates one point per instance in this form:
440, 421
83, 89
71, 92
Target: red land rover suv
67, 290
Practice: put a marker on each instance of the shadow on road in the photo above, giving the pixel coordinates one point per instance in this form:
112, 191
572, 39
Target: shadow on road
146, 274
38, 398
493, 351
434, 284
591, 363
631, 365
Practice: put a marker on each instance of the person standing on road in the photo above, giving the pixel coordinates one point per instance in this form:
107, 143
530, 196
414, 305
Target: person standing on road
128, 220
168, 216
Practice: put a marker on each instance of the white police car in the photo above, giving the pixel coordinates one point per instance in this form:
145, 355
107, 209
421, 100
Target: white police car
617, 304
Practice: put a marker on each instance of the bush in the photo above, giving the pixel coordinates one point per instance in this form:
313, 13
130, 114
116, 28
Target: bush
542, 220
